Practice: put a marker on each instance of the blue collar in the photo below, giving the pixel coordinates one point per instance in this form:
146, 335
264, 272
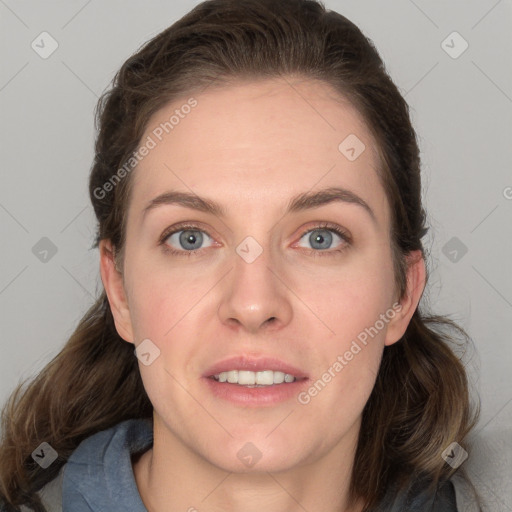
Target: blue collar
98, 475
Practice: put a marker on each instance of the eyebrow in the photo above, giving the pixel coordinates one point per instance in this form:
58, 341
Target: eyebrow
301, 202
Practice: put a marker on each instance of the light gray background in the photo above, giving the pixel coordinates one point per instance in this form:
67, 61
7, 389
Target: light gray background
461, 109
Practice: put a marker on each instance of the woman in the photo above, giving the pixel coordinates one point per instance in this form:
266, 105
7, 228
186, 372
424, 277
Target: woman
258, 341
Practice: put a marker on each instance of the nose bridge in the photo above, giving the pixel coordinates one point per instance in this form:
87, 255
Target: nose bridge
254, 295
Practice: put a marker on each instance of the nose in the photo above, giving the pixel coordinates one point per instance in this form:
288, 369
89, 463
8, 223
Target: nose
255, 296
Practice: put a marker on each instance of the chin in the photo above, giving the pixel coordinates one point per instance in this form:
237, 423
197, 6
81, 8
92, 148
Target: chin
258, 456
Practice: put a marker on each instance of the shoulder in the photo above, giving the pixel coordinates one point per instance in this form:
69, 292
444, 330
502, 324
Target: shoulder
419, 496
130, 435
51, 494
465, 496
483, 485
480, 484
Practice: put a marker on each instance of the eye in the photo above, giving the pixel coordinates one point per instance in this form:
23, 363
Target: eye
321, 238
185, 240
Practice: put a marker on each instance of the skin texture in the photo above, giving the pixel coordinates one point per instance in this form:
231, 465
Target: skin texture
251, 146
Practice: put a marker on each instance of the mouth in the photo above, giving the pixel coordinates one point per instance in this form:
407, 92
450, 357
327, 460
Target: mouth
252, 381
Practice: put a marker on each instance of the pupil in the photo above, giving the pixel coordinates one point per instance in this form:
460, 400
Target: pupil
320, 239
188, 237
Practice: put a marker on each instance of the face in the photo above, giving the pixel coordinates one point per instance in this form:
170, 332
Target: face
306, 290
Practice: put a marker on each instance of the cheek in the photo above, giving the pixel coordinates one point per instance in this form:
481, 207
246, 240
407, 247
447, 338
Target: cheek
355, 308
160, 297
151, 309
350, 297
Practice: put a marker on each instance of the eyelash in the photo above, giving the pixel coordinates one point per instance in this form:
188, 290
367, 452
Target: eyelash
322, 226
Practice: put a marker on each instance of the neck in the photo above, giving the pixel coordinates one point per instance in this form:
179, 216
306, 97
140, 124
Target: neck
170, 476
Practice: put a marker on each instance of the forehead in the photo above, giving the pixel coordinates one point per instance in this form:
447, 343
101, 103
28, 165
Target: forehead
258, 143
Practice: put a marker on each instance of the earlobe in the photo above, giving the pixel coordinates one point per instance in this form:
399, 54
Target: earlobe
113, 283
416, 279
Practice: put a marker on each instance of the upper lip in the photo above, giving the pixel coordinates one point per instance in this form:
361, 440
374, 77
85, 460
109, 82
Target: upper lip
253, 364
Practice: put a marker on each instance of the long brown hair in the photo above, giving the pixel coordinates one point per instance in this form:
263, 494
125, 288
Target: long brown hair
421, 400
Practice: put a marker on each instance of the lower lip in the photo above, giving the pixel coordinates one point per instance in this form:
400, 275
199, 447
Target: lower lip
255, 397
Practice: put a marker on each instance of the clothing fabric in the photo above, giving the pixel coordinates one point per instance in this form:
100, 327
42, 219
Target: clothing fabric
98, 477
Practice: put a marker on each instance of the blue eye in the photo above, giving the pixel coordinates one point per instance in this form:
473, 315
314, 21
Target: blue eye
321, 238
187, 240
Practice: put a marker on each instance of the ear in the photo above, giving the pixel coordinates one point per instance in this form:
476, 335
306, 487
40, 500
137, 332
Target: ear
416, 277
113, 283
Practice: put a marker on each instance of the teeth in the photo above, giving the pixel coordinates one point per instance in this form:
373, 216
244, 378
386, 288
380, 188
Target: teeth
278, 377
232, 376
253, 379
265, 378
246, 378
